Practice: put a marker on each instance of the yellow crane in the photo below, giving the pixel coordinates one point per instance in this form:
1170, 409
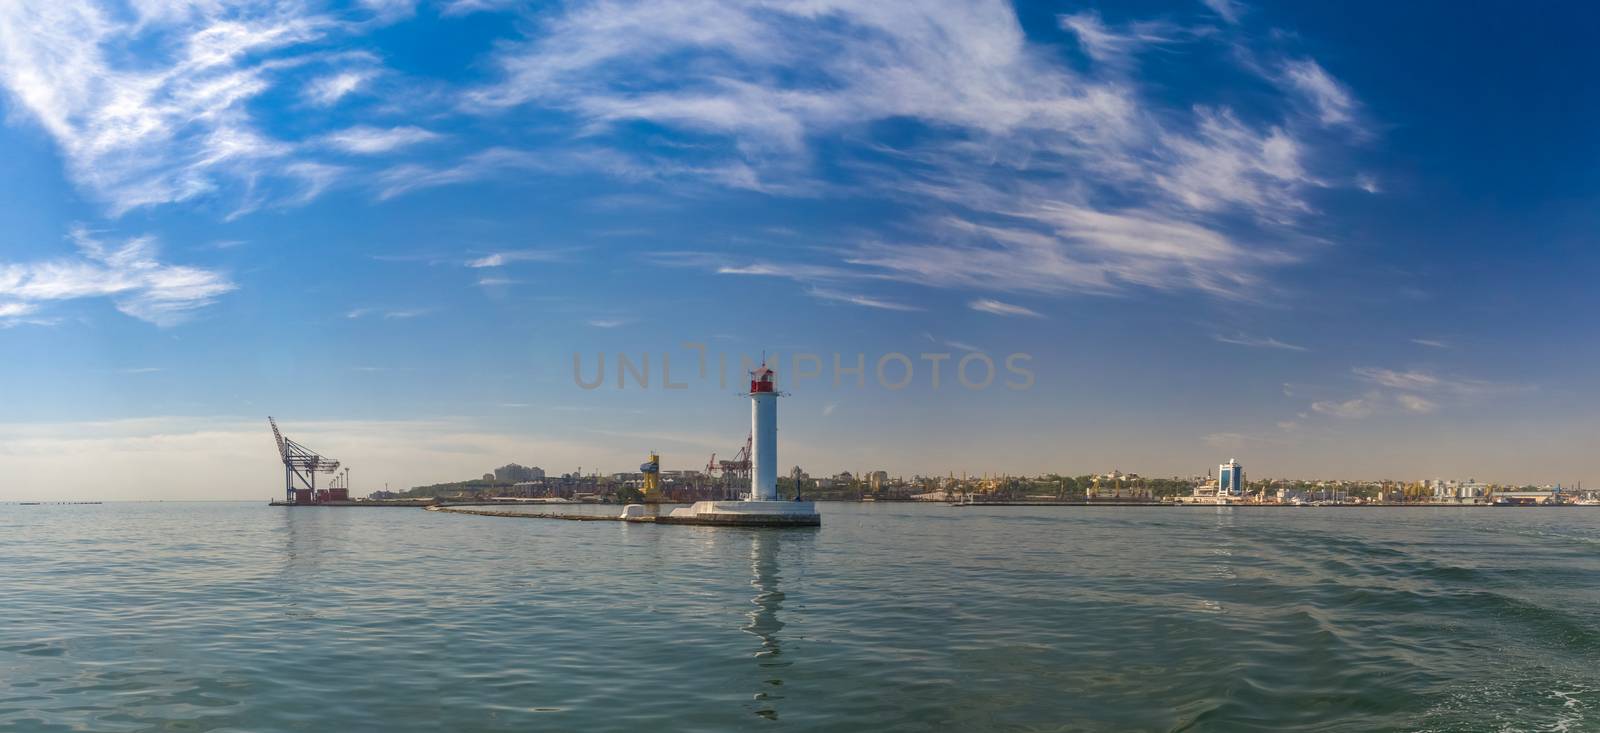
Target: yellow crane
652, 478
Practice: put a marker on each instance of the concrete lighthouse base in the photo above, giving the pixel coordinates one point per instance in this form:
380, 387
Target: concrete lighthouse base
741, 514
747, 514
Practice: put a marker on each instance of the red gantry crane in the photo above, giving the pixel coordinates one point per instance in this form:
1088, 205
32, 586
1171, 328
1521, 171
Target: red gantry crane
300, 468
736, 472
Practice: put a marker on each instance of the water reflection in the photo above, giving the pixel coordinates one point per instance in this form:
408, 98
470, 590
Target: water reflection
305, 540
764, 623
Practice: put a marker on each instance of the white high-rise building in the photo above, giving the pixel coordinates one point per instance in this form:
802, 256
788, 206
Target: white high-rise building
1230, 479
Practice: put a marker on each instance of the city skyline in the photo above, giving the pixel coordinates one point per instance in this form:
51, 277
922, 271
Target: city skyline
1297, 235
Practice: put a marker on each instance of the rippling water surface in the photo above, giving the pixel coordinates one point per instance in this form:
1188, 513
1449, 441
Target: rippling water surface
235, 617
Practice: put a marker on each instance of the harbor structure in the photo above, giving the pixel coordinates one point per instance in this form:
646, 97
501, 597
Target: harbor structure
300, 468
764, 435
1230, 479
761, 507
651, 470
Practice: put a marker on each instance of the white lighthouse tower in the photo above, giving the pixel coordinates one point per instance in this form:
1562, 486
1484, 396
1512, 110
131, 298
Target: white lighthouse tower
764, 436
762, 507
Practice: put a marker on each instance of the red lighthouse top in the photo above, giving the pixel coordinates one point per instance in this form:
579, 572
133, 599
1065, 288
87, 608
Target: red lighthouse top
761, 380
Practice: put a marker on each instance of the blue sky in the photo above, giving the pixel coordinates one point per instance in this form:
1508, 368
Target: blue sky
1343, 240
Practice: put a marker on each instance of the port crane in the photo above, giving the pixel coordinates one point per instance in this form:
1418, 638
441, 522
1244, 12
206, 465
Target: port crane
735, 472
300, 466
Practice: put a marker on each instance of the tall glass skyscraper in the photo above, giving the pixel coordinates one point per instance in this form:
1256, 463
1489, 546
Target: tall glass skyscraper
1230, 478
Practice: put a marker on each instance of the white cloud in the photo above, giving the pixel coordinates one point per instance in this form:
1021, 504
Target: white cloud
1400, 390
866, 301
1414, 380
1229, 165
129, 273
1228, 10
770, 80
325, 91
1413, 403
501, 259
365, 140
1056, 247
1334, 103
1109, 45
1431, 343
467, 7
390, 10
408, 177
1350, 409
170, 128
989, 305
1259, 342
388, 314
609, 322
1026, 175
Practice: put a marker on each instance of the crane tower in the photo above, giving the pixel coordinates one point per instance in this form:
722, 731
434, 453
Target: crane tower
300, 468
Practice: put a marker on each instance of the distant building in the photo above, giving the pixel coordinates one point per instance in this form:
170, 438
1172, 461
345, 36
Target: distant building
512, 473
1230, 478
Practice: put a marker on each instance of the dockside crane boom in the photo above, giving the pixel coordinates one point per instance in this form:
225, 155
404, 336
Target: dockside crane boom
300, 464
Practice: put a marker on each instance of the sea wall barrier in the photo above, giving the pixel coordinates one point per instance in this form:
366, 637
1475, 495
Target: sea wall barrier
539, 515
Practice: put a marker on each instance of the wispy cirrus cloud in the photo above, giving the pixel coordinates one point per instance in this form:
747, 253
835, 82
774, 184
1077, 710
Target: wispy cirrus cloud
1419, 380
325, 91
998, 308
367, 140
467, 7
129, 273
1398, 379
159, 131
408, 177
1258, 342
1351, 409
1228, 10
1333, 102
507, 257
952, 343
1414, 403
1118, 190
156, 103
865, 301
13, 310
388, 314
1108, 45
1026, 173
1412, 391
